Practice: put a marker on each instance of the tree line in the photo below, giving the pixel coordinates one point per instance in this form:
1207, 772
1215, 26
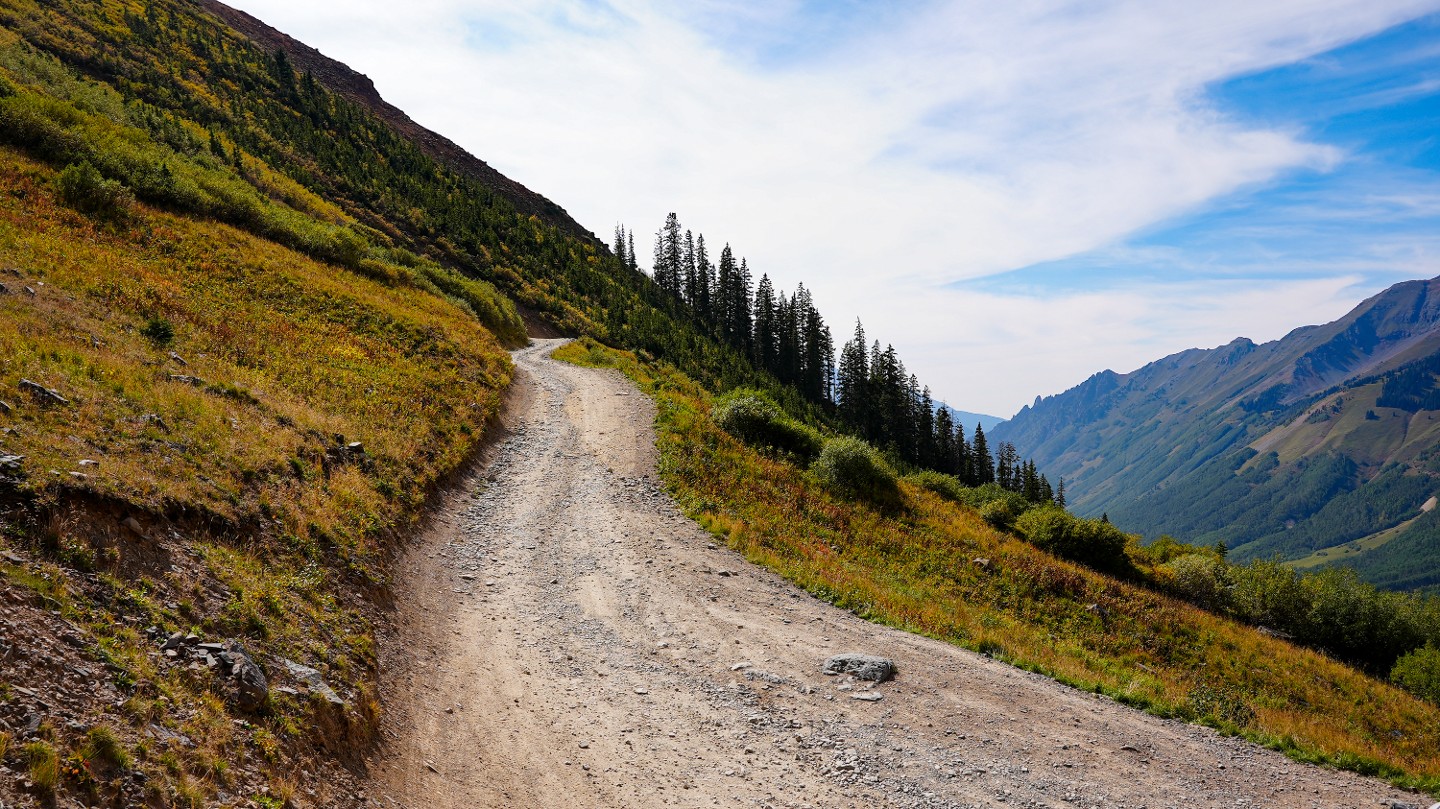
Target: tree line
868, 393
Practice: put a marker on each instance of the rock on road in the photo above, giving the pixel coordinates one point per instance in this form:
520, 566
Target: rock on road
566, 638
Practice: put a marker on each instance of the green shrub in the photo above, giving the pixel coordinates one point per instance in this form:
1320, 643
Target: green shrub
159, 330
84, 188
947, 486
1419, 673
998, 513
1093, 542
853, 467
1199, 578
977, 497
750, 416
1266, 593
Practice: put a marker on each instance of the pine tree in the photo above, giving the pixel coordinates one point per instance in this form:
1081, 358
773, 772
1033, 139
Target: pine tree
658, 269
620, 243
689, 276
766, 345
925, 431
853, 384
944, 441
982, 465
703, 279
630, 256
815, 374
1060, 493
720, 298
741, 308
671, 244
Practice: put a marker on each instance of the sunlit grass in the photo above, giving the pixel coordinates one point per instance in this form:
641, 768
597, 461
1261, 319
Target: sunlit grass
235, 422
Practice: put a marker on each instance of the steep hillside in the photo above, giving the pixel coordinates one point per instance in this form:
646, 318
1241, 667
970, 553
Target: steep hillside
1323, 437
357, 88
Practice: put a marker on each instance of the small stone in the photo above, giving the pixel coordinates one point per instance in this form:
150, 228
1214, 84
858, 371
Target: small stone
868, 696
584, 745
316, 682
29, 290
5, 407
177, 358
88, 462
250, 689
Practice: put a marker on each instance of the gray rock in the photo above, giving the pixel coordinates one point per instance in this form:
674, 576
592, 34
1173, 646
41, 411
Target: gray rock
249, 686
42, 394
175, 641
5, 407
862, 666
188, 380
313, 680
11, 463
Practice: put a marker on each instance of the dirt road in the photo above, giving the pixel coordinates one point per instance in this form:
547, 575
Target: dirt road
568, 639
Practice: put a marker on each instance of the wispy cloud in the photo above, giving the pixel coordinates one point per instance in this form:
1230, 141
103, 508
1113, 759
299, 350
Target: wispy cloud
882, 152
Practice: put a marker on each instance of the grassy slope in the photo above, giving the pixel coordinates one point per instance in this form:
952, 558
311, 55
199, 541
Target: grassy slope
914, 569
256, 525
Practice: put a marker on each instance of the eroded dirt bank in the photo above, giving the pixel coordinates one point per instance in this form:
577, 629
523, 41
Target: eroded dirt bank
568, 639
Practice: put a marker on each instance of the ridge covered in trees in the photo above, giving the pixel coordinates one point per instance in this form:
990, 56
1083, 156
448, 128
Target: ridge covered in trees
868, 392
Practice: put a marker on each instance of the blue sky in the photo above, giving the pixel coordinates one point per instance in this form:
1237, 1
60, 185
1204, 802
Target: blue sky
1374, 213
1015, 195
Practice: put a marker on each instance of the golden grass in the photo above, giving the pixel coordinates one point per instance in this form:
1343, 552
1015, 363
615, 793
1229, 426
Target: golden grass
914, 568
297, 359
293, 354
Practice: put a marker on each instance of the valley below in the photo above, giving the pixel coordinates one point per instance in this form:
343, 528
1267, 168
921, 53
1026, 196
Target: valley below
565, 637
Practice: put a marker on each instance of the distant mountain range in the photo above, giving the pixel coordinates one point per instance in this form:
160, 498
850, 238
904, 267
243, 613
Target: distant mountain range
969, 420
1318, 447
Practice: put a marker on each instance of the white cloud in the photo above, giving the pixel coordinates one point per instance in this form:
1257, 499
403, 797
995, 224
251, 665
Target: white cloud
938, 142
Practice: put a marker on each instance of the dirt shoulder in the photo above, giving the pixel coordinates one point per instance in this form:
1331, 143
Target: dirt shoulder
567, 638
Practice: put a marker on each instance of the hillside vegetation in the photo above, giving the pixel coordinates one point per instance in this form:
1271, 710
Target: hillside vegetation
916, 560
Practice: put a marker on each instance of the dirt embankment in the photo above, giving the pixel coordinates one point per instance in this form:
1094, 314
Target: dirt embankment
569, 639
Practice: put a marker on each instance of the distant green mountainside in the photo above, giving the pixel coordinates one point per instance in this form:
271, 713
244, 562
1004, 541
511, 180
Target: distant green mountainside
1319, 446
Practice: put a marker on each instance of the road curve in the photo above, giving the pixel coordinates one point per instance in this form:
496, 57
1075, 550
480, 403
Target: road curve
566, 638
